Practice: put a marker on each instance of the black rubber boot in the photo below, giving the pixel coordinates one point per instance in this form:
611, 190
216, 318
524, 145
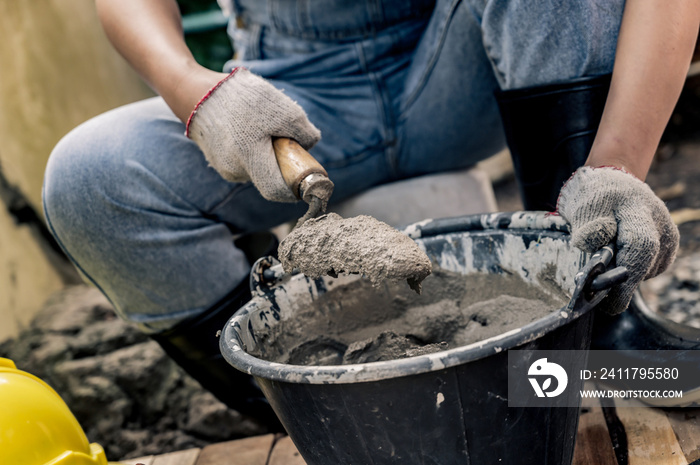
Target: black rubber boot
550, 130
194, 345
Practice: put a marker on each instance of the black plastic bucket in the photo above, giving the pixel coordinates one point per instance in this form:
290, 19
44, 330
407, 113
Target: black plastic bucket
449, 407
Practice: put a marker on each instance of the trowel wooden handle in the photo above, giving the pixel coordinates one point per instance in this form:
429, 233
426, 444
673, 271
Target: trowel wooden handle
295, 163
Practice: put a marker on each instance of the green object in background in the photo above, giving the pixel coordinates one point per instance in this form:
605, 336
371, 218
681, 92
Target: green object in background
205, 32
203, 22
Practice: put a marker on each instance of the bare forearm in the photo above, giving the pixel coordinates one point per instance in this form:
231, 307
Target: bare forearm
655, 46
149, 36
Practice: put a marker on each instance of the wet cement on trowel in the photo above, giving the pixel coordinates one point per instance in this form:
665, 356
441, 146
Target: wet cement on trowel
361, 323
330, 245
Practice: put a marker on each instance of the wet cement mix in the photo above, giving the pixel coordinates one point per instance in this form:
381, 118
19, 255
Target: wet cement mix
362, 323
330, 245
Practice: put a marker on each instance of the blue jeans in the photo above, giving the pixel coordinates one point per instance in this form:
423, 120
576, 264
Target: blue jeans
398, 88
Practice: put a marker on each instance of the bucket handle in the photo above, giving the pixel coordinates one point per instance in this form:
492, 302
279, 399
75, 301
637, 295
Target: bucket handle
265, 272
480, 222
609, 279
594, 280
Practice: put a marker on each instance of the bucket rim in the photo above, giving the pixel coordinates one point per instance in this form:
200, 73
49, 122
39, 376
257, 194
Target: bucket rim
580, 303
375, 371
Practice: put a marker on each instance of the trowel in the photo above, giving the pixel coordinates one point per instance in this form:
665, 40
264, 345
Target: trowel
329, 244
304, 175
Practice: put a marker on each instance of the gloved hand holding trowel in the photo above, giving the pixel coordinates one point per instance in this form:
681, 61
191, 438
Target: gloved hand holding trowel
235, 123
258, 143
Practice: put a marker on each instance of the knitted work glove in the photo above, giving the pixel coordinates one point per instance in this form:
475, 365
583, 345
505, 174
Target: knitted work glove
603, 203
234, 125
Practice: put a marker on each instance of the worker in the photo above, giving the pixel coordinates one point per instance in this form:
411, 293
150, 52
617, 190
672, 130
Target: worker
144, 198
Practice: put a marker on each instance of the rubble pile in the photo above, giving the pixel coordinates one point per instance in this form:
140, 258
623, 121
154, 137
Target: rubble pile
676, 292
126, 393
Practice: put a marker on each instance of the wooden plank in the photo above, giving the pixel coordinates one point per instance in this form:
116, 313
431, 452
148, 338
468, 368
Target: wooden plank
593, 445
686, 425
249, 451
147, 460
182, 457
650, 437
285, 453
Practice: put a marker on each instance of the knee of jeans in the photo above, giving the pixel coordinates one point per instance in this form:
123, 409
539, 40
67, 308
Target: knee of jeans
539, 43
76, 179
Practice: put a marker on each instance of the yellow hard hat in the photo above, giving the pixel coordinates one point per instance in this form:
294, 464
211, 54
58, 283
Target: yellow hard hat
37, 427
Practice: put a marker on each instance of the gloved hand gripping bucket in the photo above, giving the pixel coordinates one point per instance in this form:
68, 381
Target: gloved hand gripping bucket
448, 407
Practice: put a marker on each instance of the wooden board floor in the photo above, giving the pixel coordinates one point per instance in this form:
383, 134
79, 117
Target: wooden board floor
607, 435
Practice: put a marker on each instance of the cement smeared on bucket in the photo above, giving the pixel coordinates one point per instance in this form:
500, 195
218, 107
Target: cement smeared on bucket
361, 323
330, 245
